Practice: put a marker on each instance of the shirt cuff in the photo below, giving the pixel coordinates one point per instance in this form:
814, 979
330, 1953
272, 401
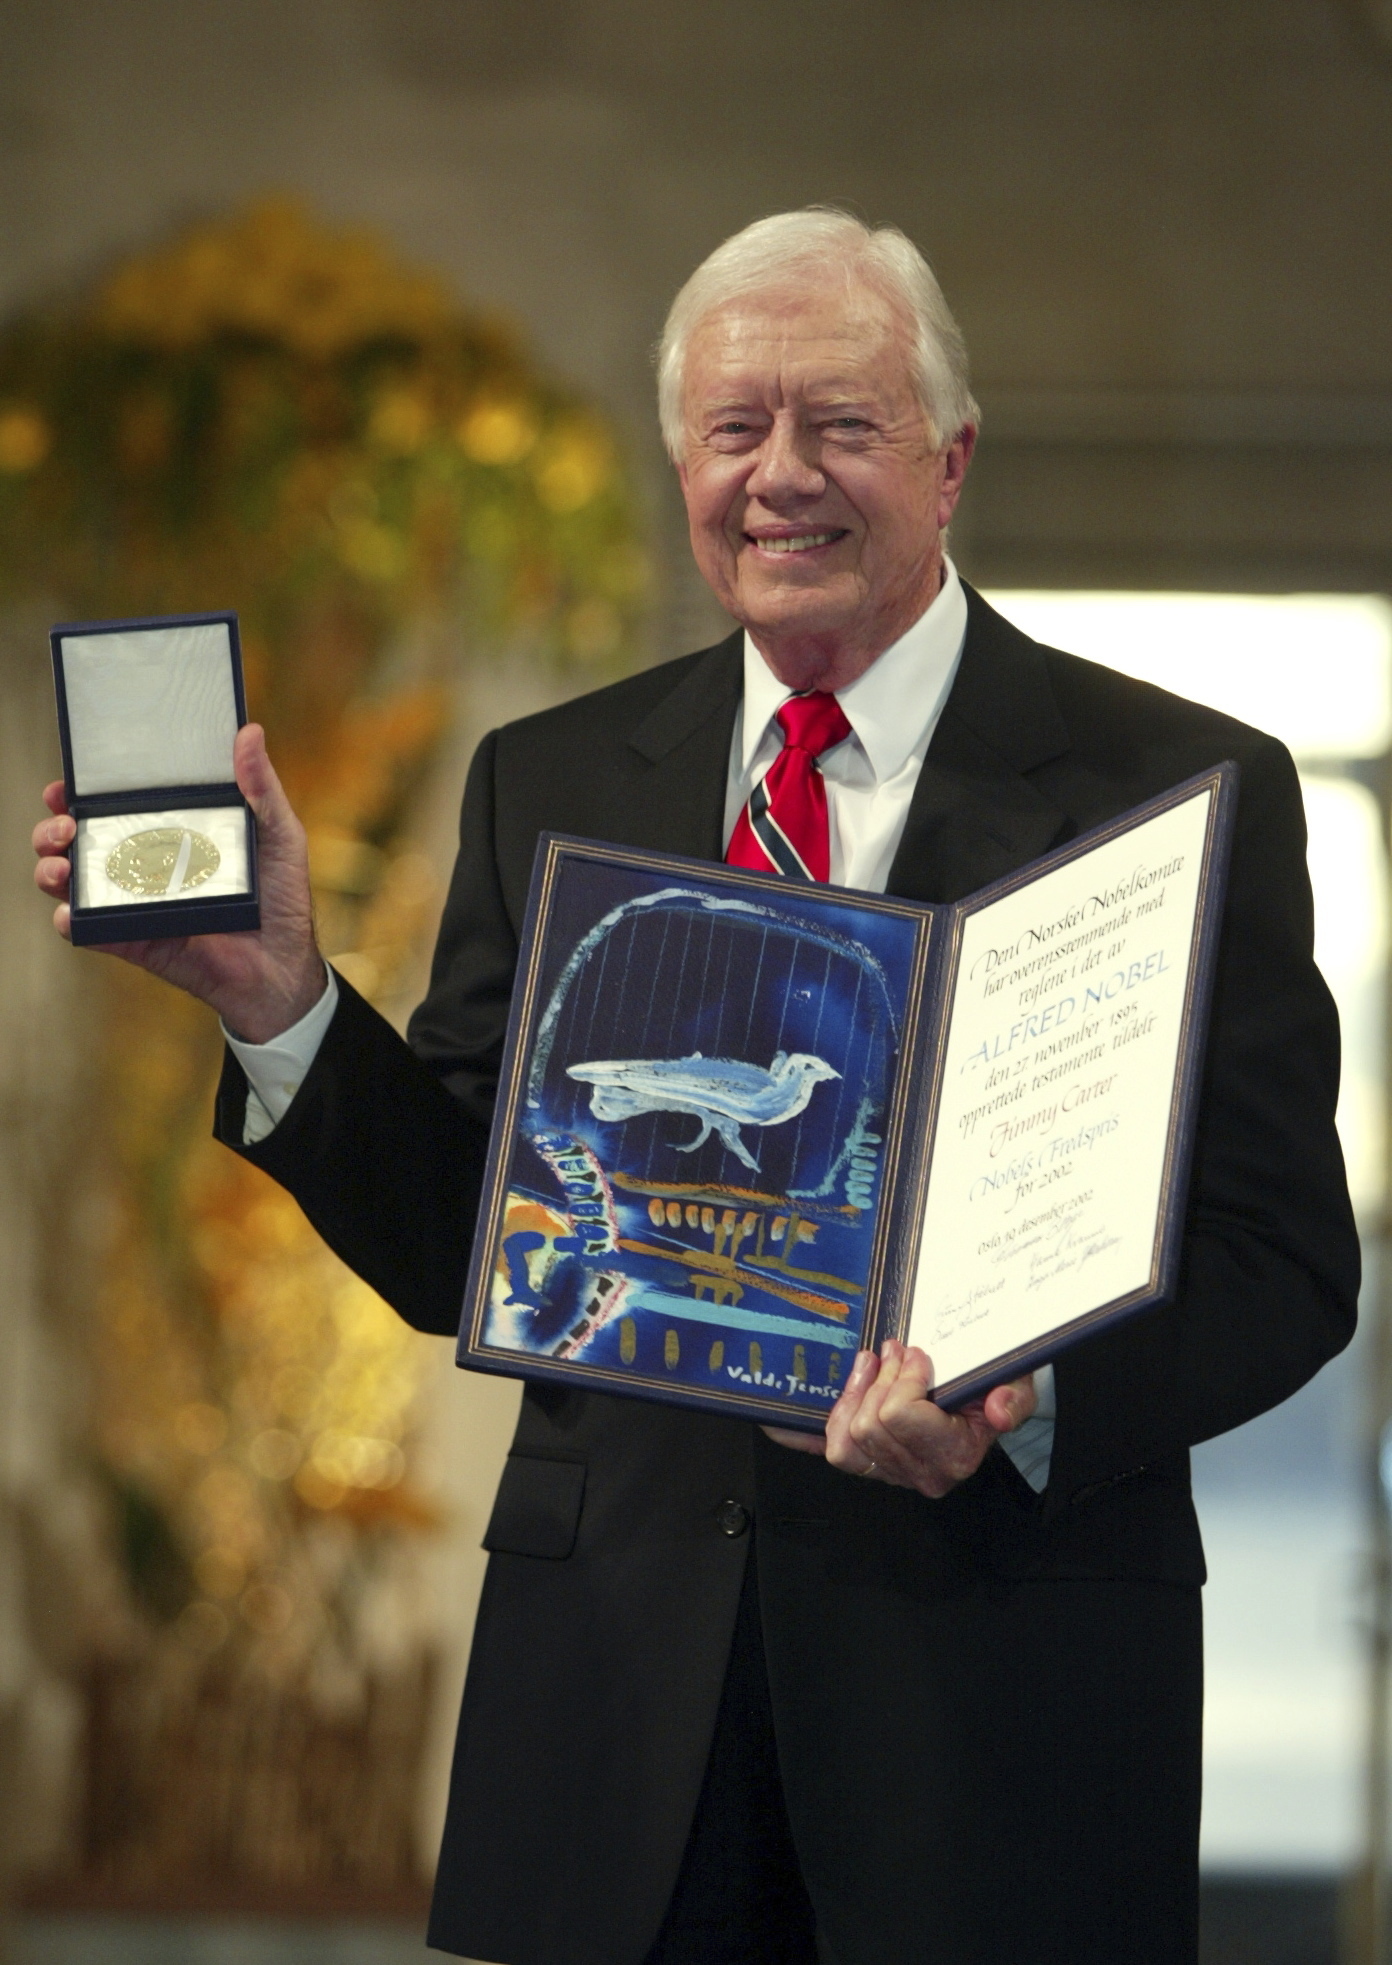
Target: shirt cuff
275, 1071
1031, 1445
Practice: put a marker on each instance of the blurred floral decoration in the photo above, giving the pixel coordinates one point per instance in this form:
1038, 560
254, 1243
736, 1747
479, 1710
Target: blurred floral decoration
280, 418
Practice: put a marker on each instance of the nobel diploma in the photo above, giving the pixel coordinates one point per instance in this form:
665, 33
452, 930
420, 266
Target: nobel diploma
748, 1126
1055, 1144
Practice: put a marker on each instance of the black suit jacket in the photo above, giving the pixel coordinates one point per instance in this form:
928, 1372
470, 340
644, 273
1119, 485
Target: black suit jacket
977, 1699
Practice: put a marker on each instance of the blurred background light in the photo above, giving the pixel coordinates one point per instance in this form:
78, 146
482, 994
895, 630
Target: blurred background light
1313, 669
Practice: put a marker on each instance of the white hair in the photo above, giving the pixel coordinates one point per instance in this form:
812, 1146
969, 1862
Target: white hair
811, 247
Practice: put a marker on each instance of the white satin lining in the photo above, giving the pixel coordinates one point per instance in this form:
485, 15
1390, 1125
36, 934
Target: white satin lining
150, 707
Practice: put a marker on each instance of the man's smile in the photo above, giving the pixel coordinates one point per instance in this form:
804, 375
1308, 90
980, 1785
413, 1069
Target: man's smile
798, 542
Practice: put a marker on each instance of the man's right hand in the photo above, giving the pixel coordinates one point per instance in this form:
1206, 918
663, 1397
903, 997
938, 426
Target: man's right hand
259, 981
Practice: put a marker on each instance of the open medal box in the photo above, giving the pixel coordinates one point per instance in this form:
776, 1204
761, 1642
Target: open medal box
148, 712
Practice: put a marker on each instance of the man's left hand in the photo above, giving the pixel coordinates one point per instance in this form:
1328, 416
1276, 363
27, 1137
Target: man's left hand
884, 1427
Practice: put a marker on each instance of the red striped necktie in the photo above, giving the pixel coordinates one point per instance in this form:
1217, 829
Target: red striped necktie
784, 826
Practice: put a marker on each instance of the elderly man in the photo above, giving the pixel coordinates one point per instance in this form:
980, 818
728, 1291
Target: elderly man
932, 1691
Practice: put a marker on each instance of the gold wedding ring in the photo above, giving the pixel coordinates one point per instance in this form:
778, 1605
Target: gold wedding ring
164, 860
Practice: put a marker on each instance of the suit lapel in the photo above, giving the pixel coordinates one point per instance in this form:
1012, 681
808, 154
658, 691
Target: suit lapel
975, 814
686, 742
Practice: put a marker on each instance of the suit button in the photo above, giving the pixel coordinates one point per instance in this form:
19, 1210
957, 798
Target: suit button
732, 1518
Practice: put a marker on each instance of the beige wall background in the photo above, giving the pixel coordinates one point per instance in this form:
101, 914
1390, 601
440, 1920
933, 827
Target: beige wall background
1164, 224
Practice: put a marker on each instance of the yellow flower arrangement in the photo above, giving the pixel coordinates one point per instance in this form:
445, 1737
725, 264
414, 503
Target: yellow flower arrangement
270, 415
24, 440
272, 273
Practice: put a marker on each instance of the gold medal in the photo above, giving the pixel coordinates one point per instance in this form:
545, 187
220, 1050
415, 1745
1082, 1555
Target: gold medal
165, 860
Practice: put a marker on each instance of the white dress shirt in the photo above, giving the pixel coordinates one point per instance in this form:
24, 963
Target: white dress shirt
275, 1071
893, 710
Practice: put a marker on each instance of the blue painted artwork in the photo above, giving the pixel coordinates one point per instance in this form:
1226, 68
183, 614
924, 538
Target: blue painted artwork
693, 1181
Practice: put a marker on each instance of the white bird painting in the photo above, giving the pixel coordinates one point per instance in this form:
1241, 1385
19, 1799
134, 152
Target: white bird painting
722, 1093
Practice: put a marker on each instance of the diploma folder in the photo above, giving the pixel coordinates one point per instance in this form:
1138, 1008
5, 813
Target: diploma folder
748, 1126
148, 711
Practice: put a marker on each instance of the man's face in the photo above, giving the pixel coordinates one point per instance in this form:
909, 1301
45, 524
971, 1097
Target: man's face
816, 493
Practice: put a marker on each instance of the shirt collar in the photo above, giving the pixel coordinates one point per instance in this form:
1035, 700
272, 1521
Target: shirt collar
895, 705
